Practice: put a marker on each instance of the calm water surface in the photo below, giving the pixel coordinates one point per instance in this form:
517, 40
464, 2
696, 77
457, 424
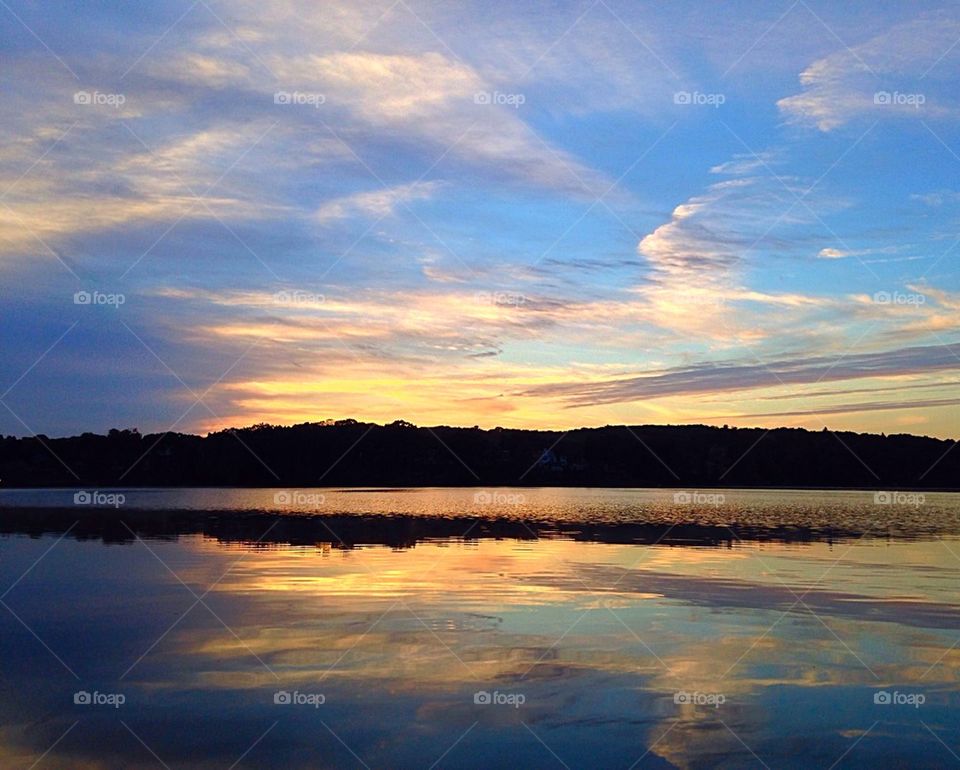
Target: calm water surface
249, 646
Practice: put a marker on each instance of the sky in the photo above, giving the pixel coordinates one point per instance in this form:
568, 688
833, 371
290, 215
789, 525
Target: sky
537, 215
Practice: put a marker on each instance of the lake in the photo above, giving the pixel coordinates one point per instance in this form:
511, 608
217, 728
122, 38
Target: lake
479, 628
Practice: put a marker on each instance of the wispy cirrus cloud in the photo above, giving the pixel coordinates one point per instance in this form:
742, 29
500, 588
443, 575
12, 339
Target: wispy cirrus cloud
700, 259
848, 408
893, 74
376, 204
747, 375
834, 253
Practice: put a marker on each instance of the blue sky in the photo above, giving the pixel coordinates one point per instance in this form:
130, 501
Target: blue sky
541, 215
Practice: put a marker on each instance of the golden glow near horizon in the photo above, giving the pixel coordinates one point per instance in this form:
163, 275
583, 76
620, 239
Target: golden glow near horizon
318, 358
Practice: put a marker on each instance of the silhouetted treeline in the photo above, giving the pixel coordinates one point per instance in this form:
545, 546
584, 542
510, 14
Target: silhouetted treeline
351, 453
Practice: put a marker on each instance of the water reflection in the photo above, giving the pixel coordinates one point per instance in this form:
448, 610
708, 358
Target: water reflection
200, 632
603, 514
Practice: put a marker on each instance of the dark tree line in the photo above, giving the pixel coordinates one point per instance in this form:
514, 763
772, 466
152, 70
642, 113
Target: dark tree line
351, 453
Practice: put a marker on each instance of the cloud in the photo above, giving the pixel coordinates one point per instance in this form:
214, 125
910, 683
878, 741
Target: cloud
726, 273
698, 261
556, 57
832, 253
376, 204
430, 97
429, 101
92, 185
937, 199
747, 375
884, 77
419, 324
202, 99
864, 406
743, 165
873, 389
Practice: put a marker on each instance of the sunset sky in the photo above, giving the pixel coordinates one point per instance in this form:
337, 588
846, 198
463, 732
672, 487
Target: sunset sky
472, 213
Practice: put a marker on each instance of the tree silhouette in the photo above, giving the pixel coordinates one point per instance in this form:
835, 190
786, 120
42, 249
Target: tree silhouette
349, 452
